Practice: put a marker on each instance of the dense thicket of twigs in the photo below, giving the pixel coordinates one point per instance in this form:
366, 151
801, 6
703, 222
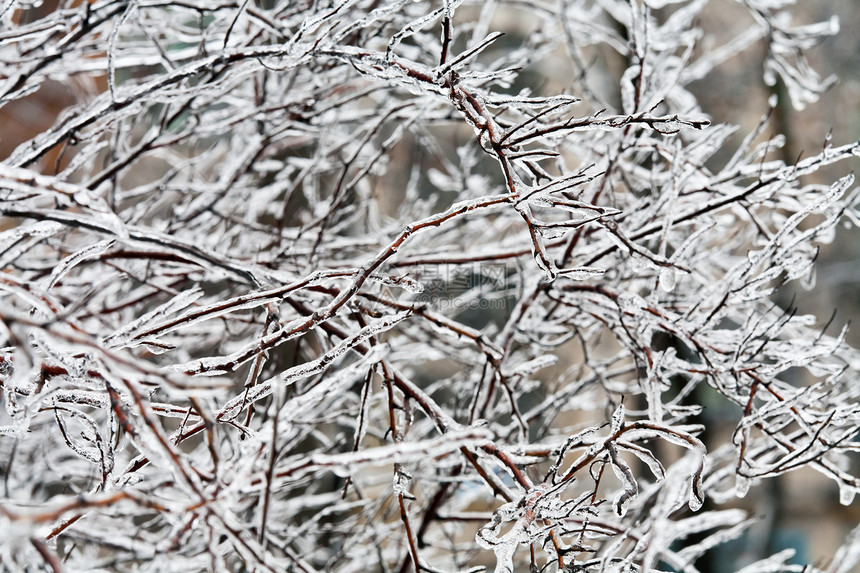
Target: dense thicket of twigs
369, 286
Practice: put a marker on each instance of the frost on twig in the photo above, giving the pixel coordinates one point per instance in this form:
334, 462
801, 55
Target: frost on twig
359, 286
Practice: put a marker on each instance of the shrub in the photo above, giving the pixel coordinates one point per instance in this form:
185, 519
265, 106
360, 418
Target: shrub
369, 286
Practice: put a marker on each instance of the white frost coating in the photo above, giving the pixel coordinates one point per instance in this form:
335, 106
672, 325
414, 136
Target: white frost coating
725, 526
695, 458
400, 483
581, 273
125, 335
667, 279
308, 166
406, 283
617, 419
37, 229
774, 564
632, 304
16, 431
846, 494
625, 475
657, 4
532, 366
14, 241
299, 404
76, 258
538, 102
848, 556
504, 547
376, 327
646, 457
742, 485
697, 494
507, 546
400, 453
330, 385
552, 233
